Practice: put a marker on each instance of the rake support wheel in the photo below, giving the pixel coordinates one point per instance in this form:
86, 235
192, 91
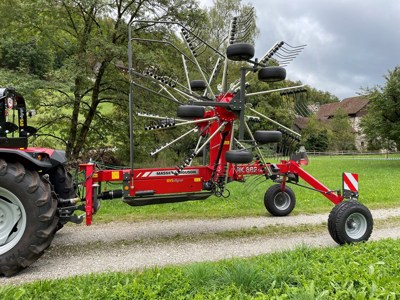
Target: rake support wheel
350, 222
279, 203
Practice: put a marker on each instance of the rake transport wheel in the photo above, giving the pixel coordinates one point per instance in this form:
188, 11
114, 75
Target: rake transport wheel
272, 74
198, 85
266, 137
238, 156
240, 51
350, 222
64, 187
28, 217
279, 203
190, 111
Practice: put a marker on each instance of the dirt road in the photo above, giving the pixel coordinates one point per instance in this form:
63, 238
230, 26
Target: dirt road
80, 250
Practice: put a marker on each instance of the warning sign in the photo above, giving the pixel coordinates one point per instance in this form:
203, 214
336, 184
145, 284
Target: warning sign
350, 184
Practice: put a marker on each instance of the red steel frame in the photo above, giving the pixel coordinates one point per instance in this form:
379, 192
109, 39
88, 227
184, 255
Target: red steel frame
164, 181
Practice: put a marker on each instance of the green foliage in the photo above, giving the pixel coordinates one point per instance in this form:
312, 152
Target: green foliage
25, 56
315, 136
361, 271
320, 97
334, 134
342, 137
382, 124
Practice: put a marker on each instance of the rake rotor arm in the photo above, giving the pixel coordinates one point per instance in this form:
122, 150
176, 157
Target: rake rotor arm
275, 90
164, 42
169, 93
157, 93
214, 72
276, 123
200, 70
182, 26
193, 97
154, 152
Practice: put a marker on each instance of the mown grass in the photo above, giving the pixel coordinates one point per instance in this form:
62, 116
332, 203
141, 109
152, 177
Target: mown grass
361, 271
378, 182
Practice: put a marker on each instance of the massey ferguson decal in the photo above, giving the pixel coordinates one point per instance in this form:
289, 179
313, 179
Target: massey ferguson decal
166, 173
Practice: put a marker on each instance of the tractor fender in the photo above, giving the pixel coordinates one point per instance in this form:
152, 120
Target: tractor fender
30, 160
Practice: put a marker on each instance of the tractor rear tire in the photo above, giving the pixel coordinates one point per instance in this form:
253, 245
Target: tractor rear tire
190, 111
266, 137
64, 187
279, 203
272, 74
28, 218
238, 156
350, 222
239, 52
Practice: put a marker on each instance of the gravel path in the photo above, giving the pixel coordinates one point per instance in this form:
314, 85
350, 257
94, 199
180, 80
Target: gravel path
80, 250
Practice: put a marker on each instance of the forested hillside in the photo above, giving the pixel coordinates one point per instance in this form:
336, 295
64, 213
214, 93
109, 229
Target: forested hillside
69, 60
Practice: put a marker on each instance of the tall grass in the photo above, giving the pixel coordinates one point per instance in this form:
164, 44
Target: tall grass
362, 271
378, 182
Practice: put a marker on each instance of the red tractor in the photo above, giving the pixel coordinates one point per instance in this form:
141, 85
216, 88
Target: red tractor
38, 196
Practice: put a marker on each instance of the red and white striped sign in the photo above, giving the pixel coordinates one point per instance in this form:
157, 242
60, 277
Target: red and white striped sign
350, 182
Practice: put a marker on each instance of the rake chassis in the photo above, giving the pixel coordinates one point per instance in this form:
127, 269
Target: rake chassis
214, 118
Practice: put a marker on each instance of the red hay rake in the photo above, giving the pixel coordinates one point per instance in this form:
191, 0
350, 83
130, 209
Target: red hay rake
221, 123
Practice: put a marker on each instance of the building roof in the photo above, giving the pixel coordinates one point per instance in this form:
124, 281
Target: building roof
351, 106
301, 122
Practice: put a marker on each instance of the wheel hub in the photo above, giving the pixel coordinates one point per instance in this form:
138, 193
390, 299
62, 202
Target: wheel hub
356, 225
282, 201
10, 214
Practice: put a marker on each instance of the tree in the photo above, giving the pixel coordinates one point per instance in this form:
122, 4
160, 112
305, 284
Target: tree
91, 37
382, 123
315, 136
342, 136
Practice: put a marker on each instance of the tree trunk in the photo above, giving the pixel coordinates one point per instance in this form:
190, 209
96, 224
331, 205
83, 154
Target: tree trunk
80, 140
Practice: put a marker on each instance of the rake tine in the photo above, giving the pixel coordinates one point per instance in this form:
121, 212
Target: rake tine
256, 186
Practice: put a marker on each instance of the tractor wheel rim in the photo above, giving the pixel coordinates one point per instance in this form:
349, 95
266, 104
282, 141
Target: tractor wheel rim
12, 220
282, 201
356, 225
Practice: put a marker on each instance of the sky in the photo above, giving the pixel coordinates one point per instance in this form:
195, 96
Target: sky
351, 44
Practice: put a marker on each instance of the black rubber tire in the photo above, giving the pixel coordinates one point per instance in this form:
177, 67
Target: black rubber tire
37, 206
239, 52
350, 222
276, 204
198, 85
238, 156
272, 74
64, 187
265, 137
190, 111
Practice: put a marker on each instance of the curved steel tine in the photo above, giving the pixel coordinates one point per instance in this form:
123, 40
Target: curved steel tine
295, 47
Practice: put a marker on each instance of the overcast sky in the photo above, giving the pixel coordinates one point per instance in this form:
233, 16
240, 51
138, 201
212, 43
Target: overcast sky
351, 44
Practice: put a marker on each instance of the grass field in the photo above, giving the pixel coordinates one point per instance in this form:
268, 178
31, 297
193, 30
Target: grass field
378, 183
362, 271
